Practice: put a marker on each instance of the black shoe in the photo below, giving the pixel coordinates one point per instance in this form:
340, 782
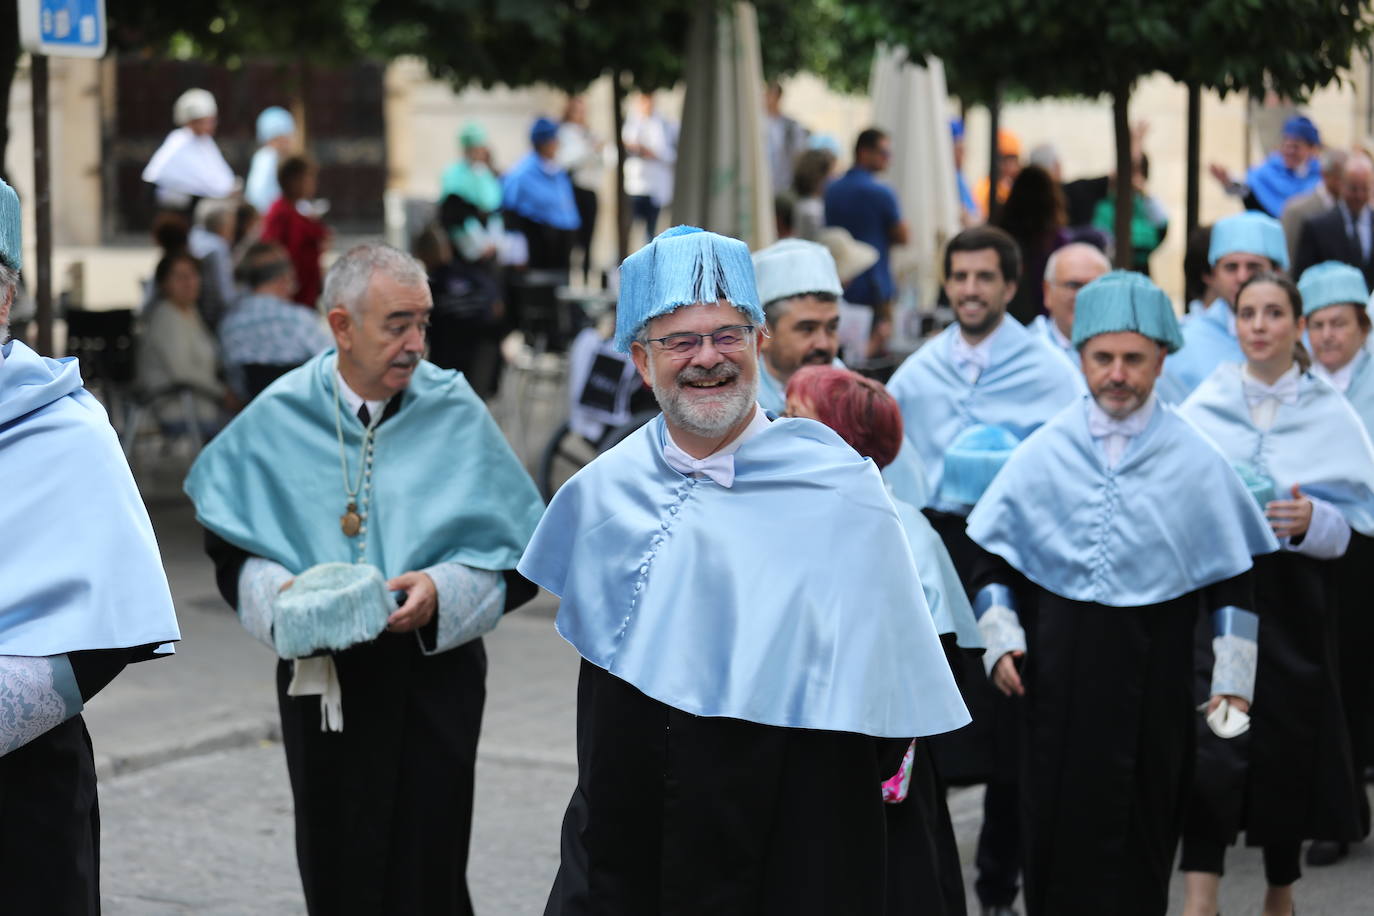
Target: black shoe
1325, 852
1000, 911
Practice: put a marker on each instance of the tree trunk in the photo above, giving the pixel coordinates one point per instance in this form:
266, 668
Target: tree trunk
1125, 186
1194, 163
9, 64
622, 204
994, 155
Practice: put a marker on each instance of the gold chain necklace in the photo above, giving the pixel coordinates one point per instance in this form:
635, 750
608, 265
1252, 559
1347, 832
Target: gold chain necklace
351, 521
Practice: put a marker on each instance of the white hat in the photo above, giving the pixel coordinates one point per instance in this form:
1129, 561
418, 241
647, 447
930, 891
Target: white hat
192, 105
794, 267
852, 257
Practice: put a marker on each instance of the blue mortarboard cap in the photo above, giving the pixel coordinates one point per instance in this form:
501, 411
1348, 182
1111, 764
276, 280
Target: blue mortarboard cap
972, 460
543, 130
793, 267
1332, 283
11, 230
1251, 232
1124, 300
275, 122
330, 606
474, 134
956, 129
1260, 486
683, 266
1301, 126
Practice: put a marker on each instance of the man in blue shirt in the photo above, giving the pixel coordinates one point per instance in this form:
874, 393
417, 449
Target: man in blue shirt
856, 201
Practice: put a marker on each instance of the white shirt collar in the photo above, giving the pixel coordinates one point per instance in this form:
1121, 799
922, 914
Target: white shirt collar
1340, 379
352, 400
972, 360
1057, 335
1285, 387
1113, 436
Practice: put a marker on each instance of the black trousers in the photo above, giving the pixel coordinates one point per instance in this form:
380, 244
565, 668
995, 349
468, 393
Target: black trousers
585, 198
1281, 866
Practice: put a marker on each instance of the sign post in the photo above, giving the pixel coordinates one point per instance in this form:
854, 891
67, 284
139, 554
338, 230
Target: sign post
60, 28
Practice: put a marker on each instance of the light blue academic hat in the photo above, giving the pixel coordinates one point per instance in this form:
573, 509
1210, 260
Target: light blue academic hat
275, 122
1124, 300
330, 607
472, 134
972, 460
11, 234
684, 265
794, 267
1259, 485
1251, 232
1332, 283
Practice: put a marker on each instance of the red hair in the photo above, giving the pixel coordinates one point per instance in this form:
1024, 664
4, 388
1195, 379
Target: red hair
861, 410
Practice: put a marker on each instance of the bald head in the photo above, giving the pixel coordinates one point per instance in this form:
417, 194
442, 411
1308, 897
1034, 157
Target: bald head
1355, 182
1068, 270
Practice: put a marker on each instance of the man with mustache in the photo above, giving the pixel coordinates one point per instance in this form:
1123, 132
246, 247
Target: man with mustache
365, 517
967, 396
751, 625
1107, 532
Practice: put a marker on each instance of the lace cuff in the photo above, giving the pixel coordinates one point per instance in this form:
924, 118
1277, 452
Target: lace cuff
36, 696
1002, 632
259, 583
471, 602
1235, 652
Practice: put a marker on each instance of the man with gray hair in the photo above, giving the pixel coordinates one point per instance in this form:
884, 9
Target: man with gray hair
1068, 270
365, 515
1315, 202
85, 595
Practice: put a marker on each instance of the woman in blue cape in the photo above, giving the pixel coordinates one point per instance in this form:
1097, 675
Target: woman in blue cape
1310, 463
923, 873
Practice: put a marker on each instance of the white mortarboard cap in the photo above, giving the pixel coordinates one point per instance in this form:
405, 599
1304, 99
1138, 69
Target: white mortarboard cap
794, 267
192, 105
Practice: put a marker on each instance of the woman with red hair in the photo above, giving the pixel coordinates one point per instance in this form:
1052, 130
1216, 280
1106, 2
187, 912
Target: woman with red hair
923, 873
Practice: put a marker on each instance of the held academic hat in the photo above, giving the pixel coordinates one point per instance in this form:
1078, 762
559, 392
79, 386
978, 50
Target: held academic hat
330, 606
275, 122
1332, 283
684, 265
192, 105
1251, 232
794, 267
11, 235
1124, 300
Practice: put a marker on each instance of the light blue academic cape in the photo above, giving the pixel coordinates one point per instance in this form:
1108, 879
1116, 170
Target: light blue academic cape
789, 599
1041, 325
1207, 343
445, 485
80, 562
1360, 394
905, 475
945, 595
261, 188
1169, 519
1027, 383
1318, 443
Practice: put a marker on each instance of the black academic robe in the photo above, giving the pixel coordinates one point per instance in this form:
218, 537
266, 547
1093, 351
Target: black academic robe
923, 873
681, 815
1356, 631
383, 809
1293, 778
1107, 740
49, 813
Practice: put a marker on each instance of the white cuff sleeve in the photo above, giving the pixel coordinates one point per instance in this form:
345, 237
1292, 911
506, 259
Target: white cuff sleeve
471, 602
1327, 537
1002, 632
259, 582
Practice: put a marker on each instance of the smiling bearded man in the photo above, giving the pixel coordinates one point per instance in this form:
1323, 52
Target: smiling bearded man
751, 624
369, 473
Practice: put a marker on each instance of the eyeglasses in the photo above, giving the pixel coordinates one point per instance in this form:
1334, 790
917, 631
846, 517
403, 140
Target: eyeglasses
725, 340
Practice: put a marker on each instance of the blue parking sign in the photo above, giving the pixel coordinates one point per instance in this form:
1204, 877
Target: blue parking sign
63, 28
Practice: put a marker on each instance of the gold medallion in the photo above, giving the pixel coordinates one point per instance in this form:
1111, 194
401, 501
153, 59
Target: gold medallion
351, 522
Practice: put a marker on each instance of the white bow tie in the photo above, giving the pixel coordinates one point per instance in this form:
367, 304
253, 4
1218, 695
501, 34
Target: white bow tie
718, 467
1101, 425
1285, 390
965, 356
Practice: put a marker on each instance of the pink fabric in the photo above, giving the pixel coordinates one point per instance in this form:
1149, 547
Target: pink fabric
896, 787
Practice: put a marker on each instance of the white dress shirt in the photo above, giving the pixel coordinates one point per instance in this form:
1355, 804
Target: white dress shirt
972, 360
352, 400
720, 464
1339, 379
1113, 436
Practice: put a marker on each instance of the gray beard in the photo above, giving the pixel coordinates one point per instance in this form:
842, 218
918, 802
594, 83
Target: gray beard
702, 420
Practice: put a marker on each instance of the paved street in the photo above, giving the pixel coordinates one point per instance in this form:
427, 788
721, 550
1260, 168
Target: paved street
197, 812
